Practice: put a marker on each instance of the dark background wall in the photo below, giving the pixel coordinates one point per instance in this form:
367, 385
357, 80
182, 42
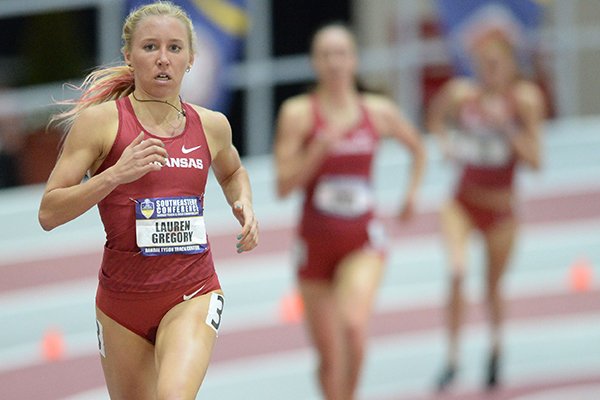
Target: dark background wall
293, 25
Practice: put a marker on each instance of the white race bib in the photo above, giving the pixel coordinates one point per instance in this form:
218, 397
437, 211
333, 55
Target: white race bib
486, 150
170, 225
343, 196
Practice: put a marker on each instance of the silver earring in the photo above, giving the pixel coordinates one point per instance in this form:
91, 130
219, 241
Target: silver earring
188, 69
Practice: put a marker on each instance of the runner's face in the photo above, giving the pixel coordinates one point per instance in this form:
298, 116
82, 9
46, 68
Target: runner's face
334, 57
160, 53
495, 64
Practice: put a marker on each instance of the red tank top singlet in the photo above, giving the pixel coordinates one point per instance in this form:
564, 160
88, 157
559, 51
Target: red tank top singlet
341, 192
155, 236
490, 160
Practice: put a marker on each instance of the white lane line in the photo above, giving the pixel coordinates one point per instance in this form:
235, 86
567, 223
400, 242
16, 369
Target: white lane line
580, 392
409, 361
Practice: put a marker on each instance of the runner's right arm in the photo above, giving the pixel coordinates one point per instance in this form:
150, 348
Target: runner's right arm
66, 197
296, 162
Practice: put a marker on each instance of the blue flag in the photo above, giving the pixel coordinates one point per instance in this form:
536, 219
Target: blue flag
463, 20
220, 27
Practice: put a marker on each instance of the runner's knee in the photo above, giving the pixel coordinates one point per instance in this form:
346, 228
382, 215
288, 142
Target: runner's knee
457, 277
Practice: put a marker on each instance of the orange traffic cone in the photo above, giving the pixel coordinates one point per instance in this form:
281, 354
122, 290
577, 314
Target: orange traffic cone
292, 308
53, 345
581, 275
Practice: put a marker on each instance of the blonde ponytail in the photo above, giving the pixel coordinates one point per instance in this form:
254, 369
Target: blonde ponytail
102, 85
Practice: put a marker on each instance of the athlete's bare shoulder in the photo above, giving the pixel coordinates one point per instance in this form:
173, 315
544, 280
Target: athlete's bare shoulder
92, 134
212, 121
387, 117
381, 110
97, 125
98, 115
527, 93
296, 115
461, 87
456, 91
296, 106
377, 103
217, 129
461, 83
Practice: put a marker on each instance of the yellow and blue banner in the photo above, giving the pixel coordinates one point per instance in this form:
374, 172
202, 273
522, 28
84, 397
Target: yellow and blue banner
220, 27
462, 20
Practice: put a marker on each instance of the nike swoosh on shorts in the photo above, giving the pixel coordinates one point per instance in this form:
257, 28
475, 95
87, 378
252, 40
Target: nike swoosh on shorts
186, 297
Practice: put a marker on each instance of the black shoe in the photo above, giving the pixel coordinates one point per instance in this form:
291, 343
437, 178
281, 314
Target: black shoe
492, 371
446, 378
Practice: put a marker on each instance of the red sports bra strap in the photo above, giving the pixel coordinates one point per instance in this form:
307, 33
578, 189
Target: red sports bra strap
319, 121
366, 117
365, 120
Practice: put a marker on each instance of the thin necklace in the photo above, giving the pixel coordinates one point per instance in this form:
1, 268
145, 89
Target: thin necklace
180, 112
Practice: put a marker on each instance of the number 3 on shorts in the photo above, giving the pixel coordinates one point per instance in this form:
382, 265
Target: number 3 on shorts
215, 310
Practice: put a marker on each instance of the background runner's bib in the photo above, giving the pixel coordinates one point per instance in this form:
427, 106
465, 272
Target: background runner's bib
343, 196
170, 225
490, 149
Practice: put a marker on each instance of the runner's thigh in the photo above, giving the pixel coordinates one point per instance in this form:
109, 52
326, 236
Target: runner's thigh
184, 343
127, 361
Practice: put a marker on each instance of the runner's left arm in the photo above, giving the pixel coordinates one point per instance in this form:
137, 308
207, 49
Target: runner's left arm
390, 121
233, 179
531, 108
